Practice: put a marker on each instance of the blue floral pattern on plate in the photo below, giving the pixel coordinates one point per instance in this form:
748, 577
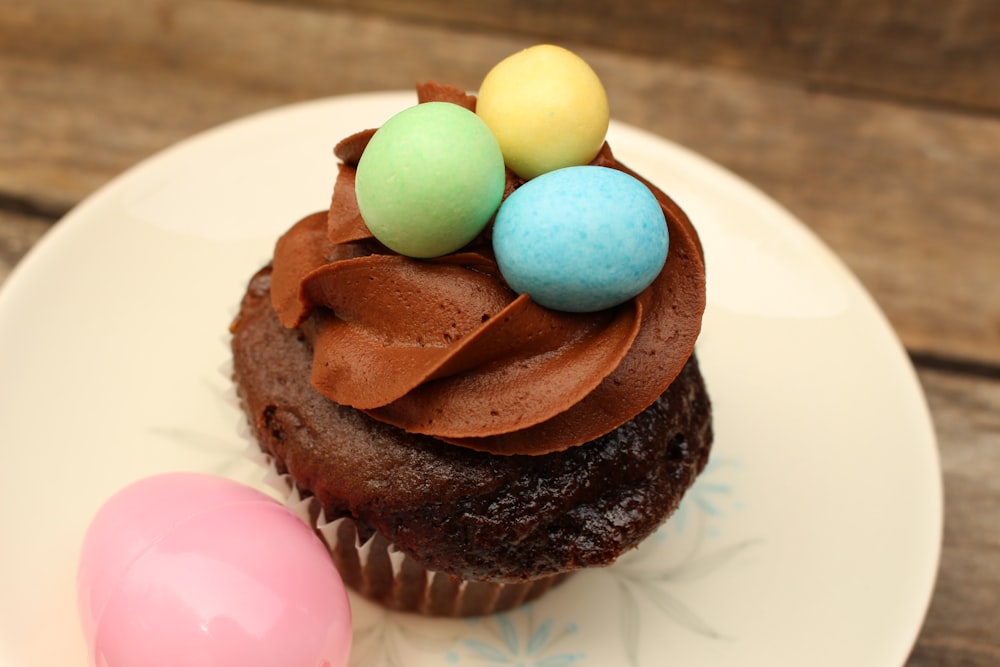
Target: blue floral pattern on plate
519, 640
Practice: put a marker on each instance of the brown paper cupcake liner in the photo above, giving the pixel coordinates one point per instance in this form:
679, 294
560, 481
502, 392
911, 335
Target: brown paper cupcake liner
377, 570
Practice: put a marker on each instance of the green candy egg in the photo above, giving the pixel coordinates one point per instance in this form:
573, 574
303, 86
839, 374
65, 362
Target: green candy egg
430, 179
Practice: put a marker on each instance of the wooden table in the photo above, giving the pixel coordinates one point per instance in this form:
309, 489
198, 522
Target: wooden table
876, 123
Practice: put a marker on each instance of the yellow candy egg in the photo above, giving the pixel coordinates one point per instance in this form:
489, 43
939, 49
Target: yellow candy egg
547, 109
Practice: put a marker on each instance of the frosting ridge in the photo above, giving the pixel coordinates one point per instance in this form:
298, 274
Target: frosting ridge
444, 347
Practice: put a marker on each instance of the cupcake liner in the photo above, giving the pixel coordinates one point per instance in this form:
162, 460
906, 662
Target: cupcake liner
374, 567
377, 570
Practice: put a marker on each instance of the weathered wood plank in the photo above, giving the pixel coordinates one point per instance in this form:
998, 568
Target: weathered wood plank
68, 127
18, 233
965, 612
902, 194
922, 50
942, 52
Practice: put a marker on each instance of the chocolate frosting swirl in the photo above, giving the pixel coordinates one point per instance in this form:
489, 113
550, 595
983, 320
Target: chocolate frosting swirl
444, 347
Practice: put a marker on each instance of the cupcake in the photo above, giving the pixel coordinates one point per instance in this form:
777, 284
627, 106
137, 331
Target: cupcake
467, 438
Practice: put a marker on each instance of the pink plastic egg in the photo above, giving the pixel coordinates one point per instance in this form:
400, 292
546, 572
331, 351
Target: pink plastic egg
185, 569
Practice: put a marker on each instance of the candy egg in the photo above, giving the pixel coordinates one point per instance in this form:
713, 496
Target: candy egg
547, 108
430, 179
580, 239
187, 569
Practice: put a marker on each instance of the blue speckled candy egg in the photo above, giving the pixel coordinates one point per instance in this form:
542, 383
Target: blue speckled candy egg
581, 239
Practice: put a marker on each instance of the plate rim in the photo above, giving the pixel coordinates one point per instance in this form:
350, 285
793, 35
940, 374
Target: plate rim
75, 222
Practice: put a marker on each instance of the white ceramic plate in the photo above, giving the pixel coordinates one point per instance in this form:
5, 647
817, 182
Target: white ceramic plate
812, 538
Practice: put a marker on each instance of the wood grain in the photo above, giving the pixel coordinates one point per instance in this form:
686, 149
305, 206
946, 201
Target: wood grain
965, 612
896, 191
945, 53
18, 234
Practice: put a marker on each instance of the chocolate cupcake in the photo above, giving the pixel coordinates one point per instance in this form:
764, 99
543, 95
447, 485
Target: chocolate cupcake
464, 448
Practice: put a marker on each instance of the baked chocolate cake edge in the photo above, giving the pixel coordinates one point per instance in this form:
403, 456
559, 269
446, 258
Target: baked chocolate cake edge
471, 515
